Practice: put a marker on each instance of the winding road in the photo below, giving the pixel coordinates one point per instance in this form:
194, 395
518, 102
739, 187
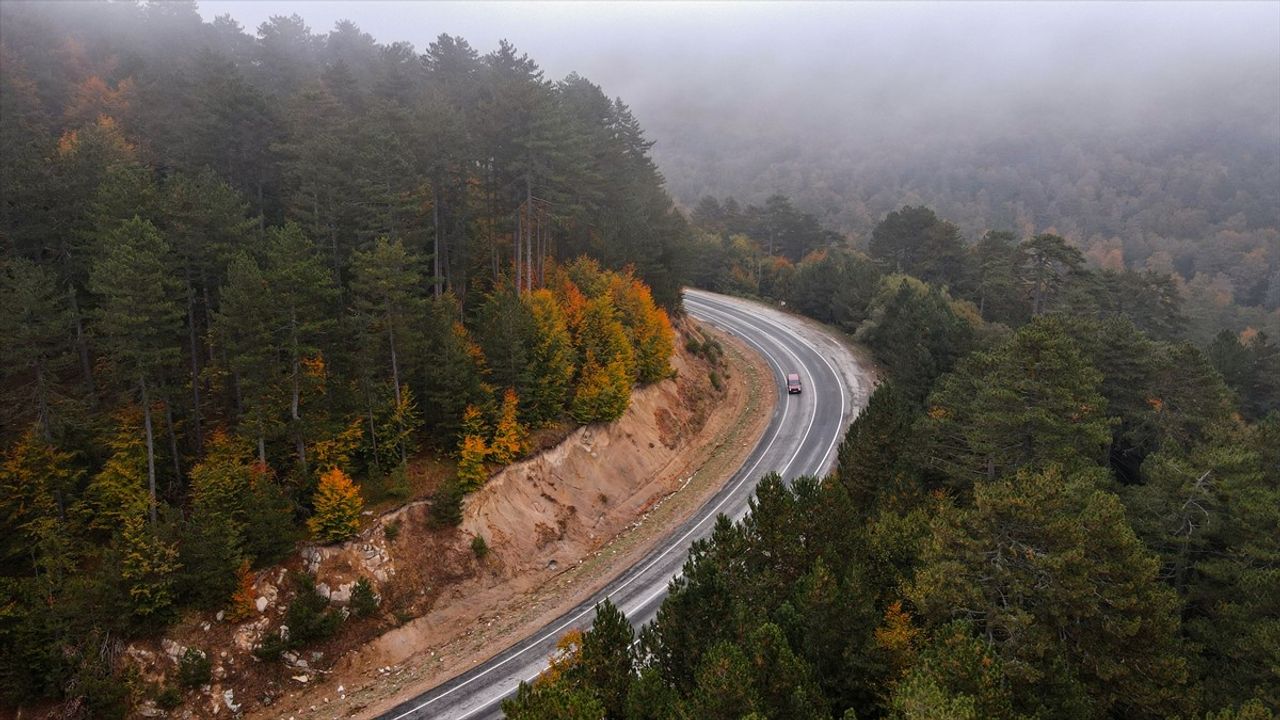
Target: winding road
800, 439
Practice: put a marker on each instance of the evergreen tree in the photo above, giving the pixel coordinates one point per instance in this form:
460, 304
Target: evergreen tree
38, 331
138, 316
1032, 401
1049, 571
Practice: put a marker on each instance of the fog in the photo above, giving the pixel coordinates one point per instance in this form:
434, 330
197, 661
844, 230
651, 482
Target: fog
870, 66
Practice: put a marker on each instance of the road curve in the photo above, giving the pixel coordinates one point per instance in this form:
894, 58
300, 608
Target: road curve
801, 439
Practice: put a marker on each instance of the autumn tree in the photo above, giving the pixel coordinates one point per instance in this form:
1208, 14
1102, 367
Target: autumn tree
508, 433
552, 359
337, 506
138, 317
473, 450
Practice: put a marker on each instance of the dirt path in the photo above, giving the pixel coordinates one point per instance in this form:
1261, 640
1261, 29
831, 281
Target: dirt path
520, 590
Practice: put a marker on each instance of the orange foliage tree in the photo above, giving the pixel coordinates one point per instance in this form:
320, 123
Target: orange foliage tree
337, 507
509, 435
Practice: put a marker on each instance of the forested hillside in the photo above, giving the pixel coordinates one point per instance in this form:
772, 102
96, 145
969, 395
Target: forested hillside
247, 279
1190, 187
1055, 506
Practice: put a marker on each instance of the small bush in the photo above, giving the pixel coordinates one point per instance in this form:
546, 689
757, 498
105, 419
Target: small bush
168, 697
194, 669
391, 531
397, 483
716, 382
308, 616
446, 505
363, 600
479, 547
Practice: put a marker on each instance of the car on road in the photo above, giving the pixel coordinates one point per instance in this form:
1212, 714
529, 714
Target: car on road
793, 384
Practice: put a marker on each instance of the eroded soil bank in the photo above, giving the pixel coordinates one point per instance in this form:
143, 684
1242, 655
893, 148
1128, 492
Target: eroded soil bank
557, 526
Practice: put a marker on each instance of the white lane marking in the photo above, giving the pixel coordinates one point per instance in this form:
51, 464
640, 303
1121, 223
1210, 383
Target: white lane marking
839, 378
678, 543
813, 415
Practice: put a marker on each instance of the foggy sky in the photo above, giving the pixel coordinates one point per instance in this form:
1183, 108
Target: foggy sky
881, 59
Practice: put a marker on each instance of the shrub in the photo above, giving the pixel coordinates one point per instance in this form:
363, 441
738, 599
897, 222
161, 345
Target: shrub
391, 531
479, 547
308, 616
446, 505
363, 600
194, 669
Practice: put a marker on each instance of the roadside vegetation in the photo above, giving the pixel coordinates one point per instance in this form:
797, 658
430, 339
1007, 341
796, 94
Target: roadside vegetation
1055, 507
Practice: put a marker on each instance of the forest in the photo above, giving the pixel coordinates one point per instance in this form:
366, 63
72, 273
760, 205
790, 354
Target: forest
1187, 187
248, 281
1054, 507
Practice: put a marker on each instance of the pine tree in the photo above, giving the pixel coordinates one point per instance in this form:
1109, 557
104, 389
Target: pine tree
337, 504
38, 329
301, 293
1050, 572
387, 290
608, 658
138, 317
244, 327
1032, 401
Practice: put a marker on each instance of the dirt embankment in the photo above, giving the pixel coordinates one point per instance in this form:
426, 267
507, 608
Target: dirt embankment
556, 526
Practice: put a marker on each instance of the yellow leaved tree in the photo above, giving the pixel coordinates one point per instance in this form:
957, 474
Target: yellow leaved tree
337, 507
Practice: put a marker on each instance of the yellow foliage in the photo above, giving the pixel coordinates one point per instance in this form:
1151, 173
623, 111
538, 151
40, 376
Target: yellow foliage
336, 451
337, 507
509, 435
567, 656
471, 462
897, 636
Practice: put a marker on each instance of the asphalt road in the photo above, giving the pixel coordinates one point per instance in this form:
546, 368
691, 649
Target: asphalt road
801, 439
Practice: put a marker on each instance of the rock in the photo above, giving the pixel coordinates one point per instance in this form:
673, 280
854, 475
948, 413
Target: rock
219, 673
229, 699
261, 603
342, 594
148, 709
301, 663
290, 657
301, 678
322, 589
221, 614
284, 632
342, 693
204, 626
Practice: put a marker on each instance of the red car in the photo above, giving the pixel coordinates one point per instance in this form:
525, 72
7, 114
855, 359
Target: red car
793, 384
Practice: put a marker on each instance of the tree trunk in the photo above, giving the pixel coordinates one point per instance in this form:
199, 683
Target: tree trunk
43, 400
195, 363
173, 441
151, 448
296, 390
82, 346
435, 221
